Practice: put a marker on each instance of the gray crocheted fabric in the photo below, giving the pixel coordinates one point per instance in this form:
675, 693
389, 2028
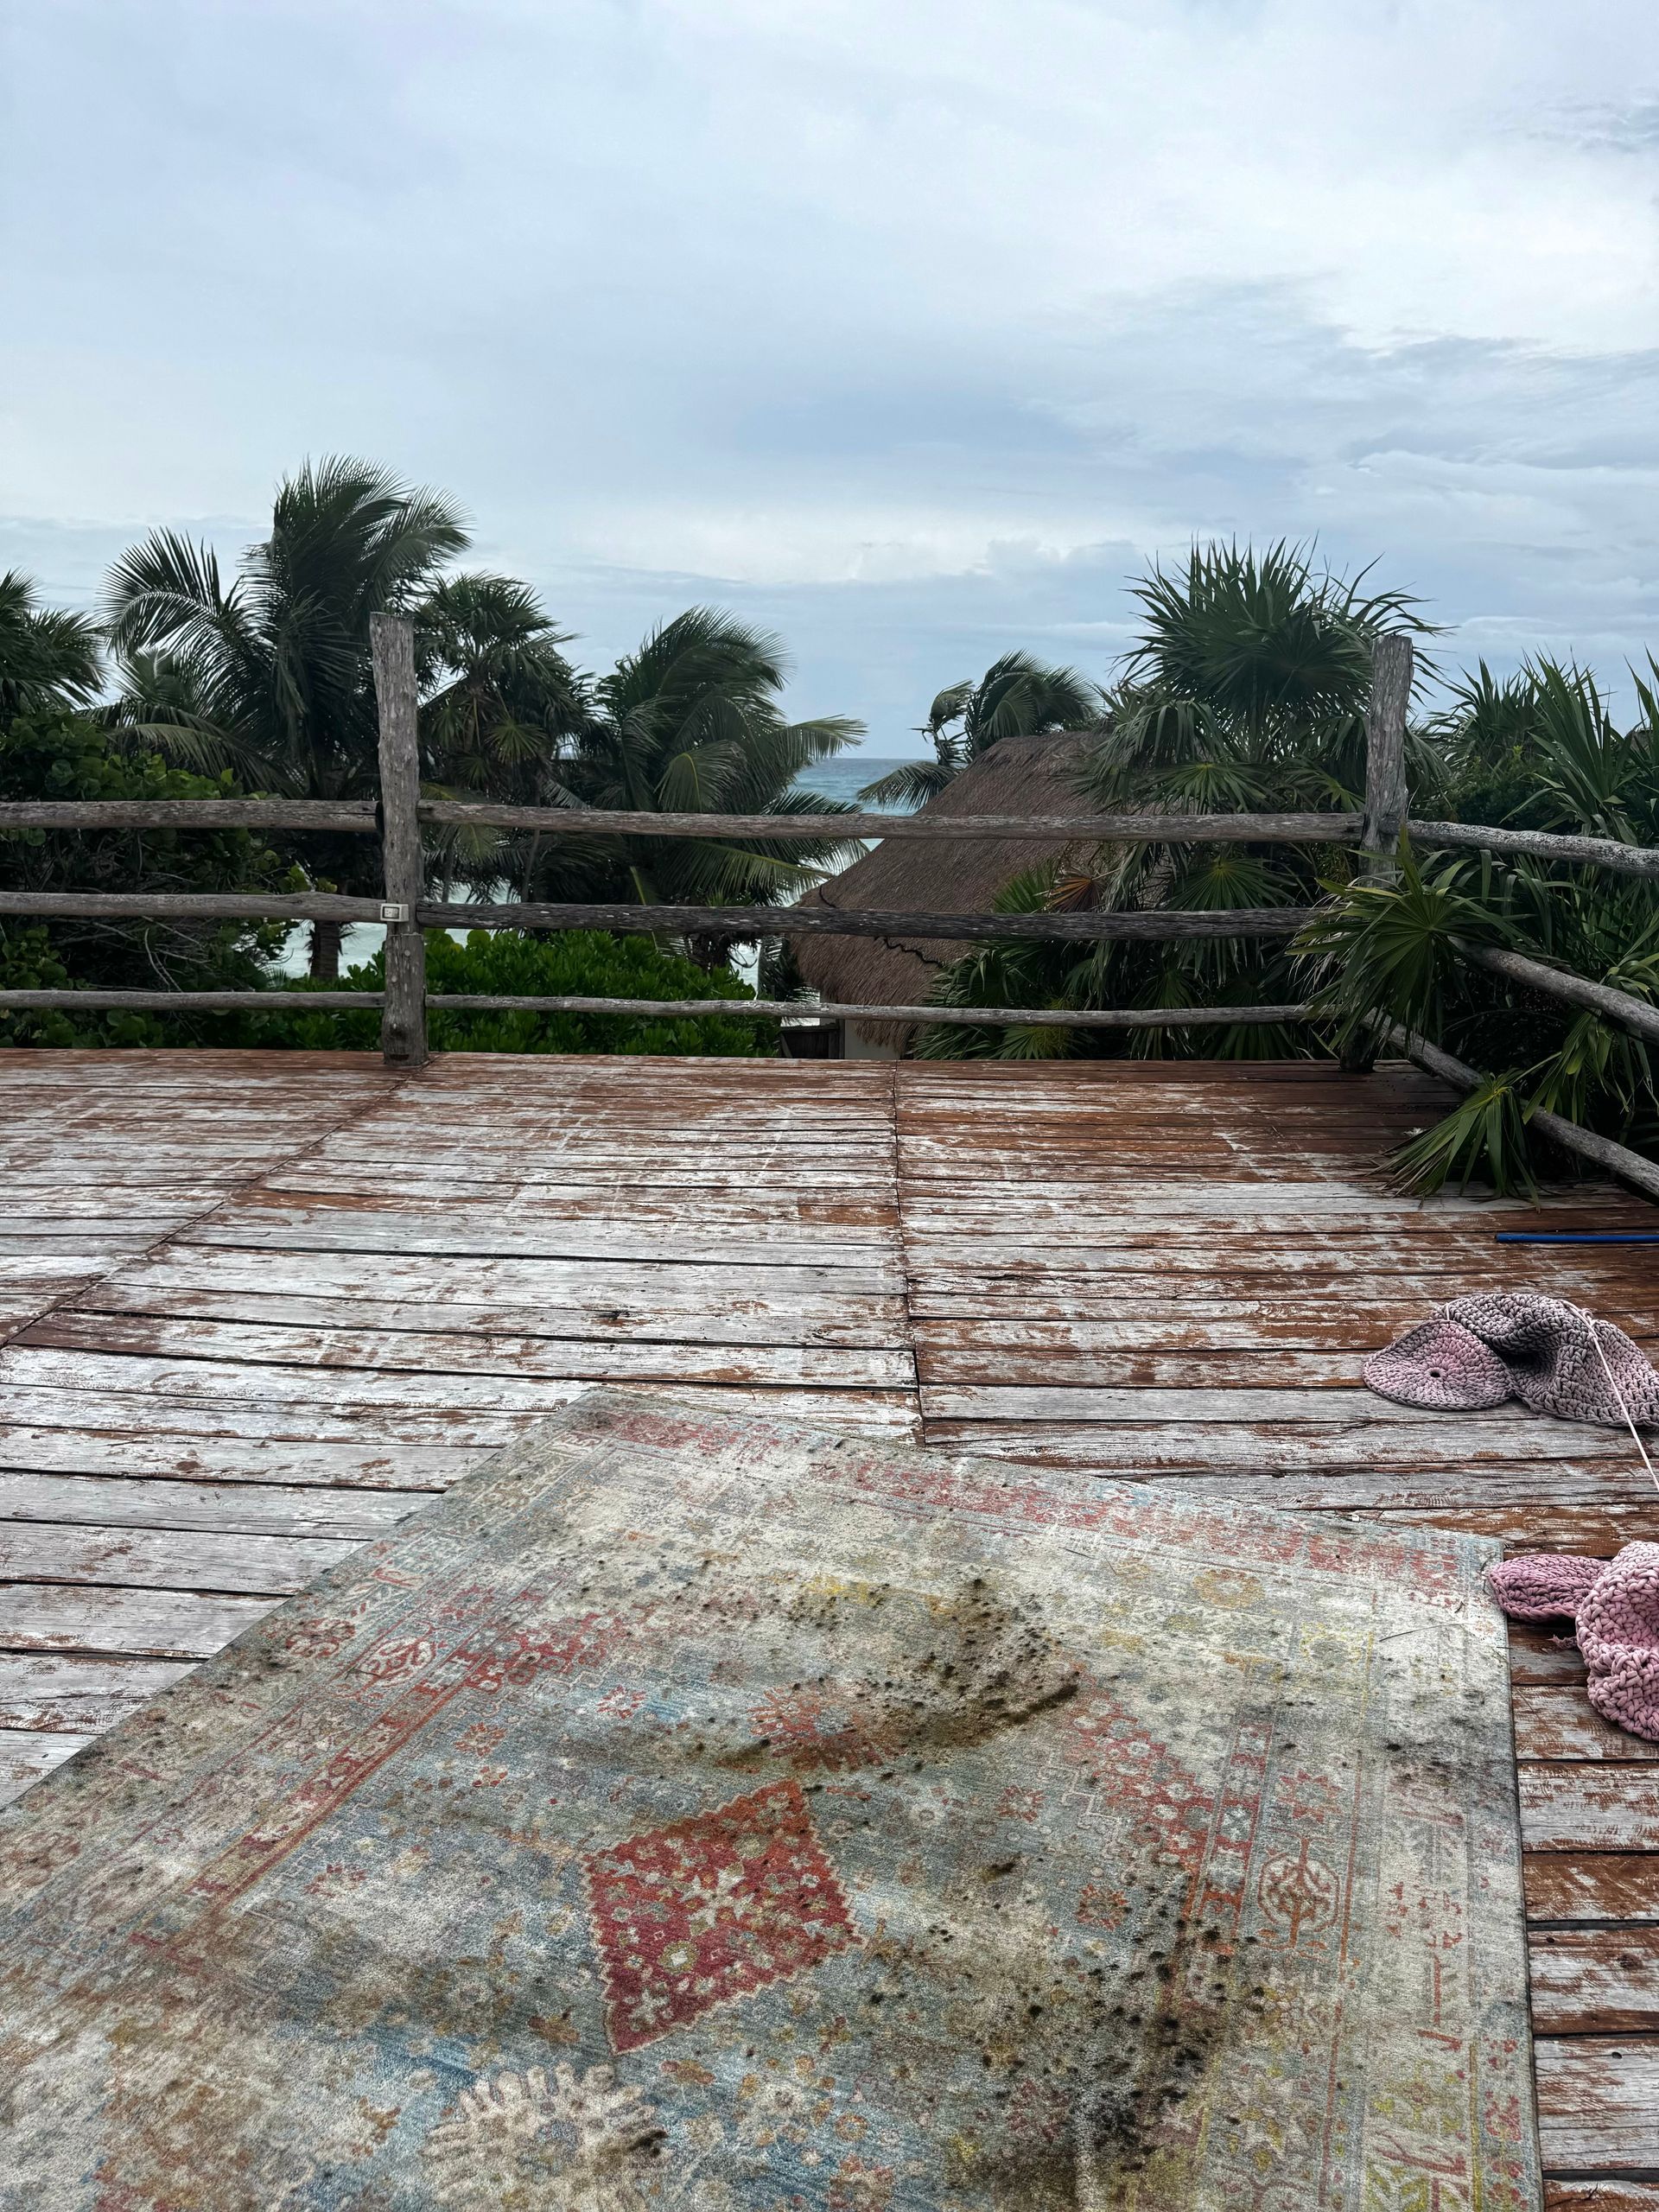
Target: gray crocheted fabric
1515, 1343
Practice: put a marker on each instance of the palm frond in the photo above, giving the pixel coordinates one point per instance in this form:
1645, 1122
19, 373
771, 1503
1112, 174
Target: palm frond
1380, 952
164, 592
1482, 1137
948, 706
1022, 696
49, 657
911, 784
1263, 638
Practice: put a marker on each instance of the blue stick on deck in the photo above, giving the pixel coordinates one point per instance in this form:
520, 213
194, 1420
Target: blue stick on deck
1572, 1236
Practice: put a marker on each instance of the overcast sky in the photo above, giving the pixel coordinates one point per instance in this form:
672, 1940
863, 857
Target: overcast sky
912, 328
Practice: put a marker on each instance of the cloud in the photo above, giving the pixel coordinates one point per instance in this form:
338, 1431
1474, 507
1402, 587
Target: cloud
914, 331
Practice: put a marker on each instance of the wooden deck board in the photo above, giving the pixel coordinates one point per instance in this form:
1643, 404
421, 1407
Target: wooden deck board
256, 1308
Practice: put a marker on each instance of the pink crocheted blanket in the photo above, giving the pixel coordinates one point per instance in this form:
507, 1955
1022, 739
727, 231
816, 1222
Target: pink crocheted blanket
1614, 1608
1516, 1344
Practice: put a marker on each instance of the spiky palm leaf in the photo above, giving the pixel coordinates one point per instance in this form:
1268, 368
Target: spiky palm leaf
502, 703
1395, 951
690, 723
1266, 640
47, 658
1483, 1138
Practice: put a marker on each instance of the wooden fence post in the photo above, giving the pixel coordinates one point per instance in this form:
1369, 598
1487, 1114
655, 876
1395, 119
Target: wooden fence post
1385, 786
403, 1019
1385, 751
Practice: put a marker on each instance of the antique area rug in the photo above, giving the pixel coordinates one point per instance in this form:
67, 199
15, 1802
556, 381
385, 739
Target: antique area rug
699, 1813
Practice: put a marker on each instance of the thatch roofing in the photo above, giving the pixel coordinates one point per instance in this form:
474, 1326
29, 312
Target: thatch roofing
1018, 775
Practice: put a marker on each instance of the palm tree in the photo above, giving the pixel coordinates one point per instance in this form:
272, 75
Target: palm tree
1247, 686
1246, 691
1017, 696
276, 667
163, 705
506, 698
502, 713
691, 723
47, 658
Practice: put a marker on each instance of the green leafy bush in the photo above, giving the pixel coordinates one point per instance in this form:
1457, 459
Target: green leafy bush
571, 963
59, 754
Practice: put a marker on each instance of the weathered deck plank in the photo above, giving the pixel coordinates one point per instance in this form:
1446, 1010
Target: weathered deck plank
1601, 2196
1561, 1723
247, 1508
1595, 1980
25, 1759
136, 1624
165, 1559
78, 1697
1589, 1806
1598, 2103
256, 1308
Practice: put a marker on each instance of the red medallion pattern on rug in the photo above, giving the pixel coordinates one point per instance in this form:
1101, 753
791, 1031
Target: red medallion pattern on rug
706, 1911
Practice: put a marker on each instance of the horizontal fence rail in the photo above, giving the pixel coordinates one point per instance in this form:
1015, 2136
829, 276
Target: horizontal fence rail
974, 1017
1539, 844
1153, 924
345, 818
195, 905
788, 1010
334, 816
200, 1002
1048, 828
1639, 1014
1618, 1159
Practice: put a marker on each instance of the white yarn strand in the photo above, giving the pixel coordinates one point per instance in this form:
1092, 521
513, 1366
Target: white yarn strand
1636, 1437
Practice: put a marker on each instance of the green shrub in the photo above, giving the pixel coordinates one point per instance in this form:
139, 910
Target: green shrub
569, 963
574, 963
54, 753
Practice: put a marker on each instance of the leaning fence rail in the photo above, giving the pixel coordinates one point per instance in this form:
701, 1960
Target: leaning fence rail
1602, 1151
407, 914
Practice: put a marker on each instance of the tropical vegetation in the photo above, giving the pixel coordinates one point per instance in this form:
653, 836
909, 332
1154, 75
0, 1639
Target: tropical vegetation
269, 675
1246, 692
62, 752
200, 681
1017, 696
691, 723
564, 963
47, 658
1541, 751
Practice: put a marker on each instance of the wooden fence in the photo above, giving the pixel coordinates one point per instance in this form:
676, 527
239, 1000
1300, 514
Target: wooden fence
407, 914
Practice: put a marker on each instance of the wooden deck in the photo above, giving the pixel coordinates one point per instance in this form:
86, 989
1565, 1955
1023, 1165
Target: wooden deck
258, 1306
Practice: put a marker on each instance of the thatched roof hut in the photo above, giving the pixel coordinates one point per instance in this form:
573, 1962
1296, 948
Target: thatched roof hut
1018, 775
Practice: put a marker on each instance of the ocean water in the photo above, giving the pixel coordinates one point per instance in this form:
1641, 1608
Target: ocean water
844, 777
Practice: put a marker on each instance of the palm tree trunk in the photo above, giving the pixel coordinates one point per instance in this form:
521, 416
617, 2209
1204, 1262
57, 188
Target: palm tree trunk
325, 949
